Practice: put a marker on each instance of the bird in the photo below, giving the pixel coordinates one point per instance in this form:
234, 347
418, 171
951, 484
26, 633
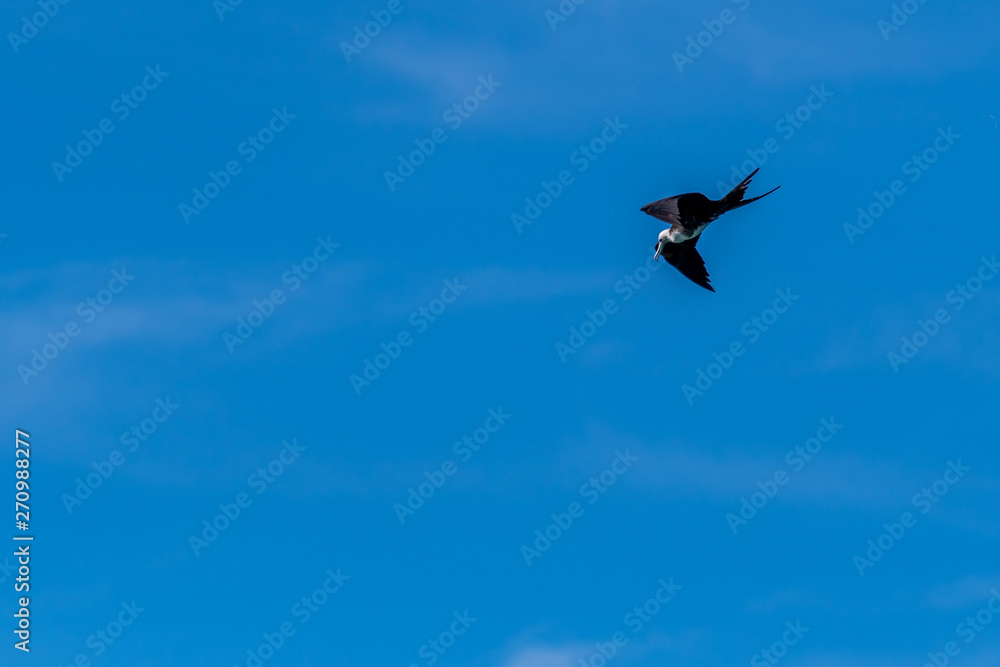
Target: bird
688, 215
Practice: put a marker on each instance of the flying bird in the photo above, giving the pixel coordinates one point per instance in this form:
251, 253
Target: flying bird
688, 215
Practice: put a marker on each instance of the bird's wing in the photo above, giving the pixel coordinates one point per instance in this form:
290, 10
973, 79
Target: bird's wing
665, 210
686, 259
688, 211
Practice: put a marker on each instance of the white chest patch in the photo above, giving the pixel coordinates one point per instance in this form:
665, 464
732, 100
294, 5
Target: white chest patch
678, 235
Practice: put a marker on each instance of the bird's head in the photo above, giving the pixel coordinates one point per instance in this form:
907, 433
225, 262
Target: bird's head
663, 239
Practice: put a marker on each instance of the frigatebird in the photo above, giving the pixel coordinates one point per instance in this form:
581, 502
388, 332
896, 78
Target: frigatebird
688, 215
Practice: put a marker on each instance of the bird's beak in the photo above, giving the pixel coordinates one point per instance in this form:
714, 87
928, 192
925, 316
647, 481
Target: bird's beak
659, 246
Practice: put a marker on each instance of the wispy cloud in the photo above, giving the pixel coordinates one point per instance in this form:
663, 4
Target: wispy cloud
162, 305
545, 656
963, 594
635, 69
866, 341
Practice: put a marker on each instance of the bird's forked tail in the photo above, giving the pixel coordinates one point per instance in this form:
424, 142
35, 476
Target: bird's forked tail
735, 199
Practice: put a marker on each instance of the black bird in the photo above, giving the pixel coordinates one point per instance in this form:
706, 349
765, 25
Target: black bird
688, 215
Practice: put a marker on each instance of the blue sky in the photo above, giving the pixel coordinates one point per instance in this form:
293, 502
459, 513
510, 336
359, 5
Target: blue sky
148, 423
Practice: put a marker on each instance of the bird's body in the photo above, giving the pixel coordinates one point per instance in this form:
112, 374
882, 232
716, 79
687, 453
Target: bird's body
688, 215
